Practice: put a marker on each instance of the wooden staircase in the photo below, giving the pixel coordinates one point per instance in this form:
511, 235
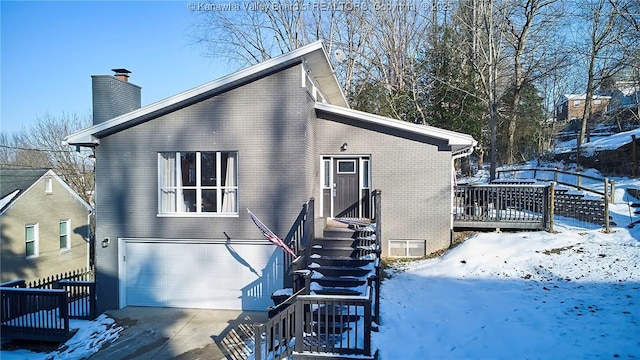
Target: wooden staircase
343, 259
334, 302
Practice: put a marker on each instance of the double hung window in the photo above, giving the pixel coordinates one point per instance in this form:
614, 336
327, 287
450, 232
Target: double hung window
31, 240
198, 182
65, 243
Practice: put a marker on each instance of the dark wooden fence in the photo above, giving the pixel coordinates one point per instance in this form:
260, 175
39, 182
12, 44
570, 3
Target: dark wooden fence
324, 324
597, 185
578, 207
509, 205
51, 282
34, 314
501, 206
43, 312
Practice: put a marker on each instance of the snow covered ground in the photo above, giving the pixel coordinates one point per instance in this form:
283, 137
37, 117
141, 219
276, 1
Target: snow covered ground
88, 339
574, 294
526, 295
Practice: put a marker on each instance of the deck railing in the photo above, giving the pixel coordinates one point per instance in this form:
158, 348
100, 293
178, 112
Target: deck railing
598, 185
43, 313
325, 324
34, 314
298, 238
501, 206
333, 324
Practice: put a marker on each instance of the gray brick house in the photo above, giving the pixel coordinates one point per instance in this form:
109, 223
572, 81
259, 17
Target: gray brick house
44, 225
173, 180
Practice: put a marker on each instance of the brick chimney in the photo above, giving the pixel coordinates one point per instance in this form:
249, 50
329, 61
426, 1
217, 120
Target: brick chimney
114, 95
122, 74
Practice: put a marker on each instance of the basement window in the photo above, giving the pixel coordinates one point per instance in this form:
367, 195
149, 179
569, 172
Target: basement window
407, 248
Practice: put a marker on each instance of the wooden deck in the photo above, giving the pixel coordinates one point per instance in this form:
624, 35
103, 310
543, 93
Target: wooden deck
501, 206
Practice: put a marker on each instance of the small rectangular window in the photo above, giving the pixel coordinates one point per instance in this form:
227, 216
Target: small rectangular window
346, 166
576, 103
48, 186
65, 243
327, 173
31, 240
365, 174
407, 248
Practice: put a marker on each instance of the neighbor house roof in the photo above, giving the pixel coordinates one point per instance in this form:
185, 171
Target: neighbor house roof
457, 141
313, 55
12, 180
16, 182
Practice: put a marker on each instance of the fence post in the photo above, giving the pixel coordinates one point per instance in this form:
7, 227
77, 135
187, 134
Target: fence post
299, 326
552, 204
612, 194
257, 341
634, 157
606, 206
579, 181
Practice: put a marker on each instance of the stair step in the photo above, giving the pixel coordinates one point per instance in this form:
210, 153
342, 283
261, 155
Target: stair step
339, 271
335, 282
338, 291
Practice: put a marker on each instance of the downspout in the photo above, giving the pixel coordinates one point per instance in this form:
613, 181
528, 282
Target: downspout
464, 153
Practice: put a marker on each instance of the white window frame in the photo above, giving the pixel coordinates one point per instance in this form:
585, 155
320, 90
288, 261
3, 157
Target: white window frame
355, 166
67, 235
35, 240
219, 188
48, 186
407, 247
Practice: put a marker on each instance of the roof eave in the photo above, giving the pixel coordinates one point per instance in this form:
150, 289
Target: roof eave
313, 53
457, 141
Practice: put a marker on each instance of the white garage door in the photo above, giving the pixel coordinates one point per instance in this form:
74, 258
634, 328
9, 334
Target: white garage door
199, 275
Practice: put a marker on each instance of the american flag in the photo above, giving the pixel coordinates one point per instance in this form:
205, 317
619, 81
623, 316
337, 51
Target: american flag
270, 234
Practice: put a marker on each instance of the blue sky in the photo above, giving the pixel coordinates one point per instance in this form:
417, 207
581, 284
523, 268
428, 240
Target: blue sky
49, 50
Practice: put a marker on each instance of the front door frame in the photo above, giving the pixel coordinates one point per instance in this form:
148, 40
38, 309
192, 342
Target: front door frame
327, 182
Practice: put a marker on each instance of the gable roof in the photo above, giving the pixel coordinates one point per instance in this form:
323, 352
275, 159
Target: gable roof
12, 180
457, 141
313, 55
16, 182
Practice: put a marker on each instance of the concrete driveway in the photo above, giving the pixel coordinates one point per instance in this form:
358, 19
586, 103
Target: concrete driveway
165, 333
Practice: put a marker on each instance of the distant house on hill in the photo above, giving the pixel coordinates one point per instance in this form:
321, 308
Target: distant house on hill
571, 106
44, 225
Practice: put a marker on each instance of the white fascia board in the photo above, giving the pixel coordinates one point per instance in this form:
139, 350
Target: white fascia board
453, 138
87, 136
26, 191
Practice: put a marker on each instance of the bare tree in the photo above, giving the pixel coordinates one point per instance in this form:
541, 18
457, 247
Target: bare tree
601, 54
40, 146
381, 40
528, 29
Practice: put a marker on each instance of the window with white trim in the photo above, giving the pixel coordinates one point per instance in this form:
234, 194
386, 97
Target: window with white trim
65, 236
48, 186
31, 240
198, 182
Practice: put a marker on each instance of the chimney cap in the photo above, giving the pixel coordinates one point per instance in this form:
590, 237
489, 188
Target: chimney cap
121, 71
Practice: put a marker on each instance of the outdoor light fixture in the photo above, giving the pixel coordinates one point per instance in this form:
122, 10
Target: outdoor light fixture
343, 147
105, 242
